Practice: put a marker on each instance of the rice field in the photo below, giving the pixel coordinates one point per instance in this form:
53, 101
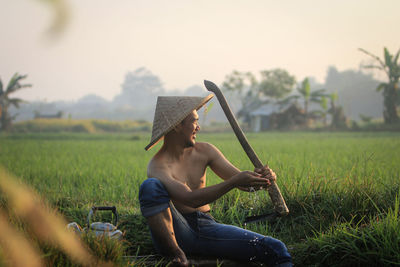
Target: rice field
341, 188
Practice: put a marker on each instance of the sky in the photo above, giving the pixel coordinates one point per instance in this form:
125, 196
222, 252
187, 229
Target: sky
184, 42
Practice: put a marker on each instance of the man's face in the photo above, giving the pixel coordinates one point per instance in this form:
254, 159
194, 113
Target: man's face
190, 126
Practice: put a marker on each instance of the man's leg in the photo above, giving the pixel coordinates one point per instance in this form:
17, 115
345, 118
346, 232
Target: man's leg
156, 207
163, 233
231, 242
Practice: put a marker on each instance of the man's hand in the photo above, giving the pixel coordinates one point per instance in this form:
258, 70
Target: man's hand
250, 179
266, 172
180, 259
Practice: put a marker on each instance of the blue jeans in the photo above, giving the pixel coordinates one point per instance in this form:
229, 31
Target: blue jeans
198, 233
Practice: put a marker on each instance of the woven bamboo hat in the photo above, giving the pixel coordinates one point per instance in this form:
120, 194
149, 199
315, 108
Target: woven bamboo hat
170, 111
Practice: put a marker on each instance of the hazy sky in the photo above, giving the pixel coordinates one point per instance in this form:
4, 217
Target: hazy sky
186, 41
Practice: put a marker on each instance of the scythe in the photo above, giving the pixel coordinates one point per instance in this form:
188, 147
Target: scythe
273, 190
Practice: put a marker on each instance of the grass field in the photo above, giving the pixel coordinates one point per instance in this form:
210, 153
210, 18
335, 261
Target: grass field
341, 188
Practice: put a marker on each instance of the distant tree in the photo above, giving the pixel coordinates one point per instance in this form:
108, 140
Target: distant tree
333, 98
245, 86
273, 85
206, 110
324, 106
306, 95
339, 120
5, 100
391, 67
276, 83
139, 90
356, 90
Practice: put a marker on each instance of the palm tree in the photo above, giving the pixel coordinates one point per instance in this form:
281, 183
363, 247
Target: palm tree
333, 98
324, 106
308, 96
339, 120
305, 93
6, 101
390, 89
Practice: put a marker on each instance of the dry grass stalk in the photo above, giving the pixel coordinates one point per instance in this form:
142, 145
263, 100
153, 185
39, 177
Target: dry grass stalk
46, 224
13, 243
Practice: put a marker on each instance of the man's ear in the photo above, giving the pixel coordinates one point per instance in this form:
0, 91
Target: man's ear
178, 127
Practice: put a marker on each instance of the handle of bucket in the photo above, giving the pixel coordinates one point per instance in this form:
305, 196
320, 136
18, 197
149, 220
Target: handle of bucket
93, 210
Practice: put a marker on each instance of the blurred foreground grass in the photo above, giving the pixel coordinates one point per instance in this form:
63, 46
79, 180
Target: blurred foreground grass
340, 188
26, 221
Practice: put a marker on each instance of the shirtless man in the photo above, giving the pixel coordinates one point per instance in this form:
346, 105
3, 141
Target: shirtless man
175, 199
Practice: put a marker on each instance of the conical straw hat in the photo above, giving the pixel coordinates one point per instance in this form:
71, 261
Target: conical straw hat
170, 111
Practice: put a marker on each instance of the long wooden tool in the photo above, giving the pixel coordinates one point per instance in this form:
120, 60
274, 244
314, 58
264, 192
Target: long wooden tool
273, 190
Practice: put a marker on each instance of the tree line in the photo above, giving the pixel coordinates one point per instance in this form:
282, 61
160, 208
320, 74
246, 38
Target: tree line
274, 87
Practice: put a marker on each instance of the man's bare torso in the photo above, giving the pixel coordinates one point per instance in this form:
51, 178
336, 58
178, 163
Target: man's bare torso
189, 169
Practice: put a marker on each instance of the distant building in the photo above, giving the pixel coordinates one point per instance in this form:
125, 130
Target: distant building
58, 115
260, 118
270, 117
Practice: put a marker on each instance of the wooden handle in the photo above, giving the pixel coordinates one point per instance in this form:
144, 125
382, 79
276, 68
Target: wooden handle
273, 190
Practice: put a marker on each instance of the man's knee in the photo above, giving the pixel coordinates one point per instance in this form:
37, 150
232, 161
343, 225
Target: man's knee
280, 252
149, 185
153, 197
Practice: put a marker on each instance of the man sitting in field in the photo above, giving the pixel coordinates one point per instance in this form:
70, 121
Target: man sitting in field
174, 199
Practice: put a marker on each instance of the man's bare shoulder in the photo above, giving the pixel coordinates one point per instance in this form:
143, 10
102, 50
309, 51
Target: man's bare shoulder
157, 166
204, 147
208, 151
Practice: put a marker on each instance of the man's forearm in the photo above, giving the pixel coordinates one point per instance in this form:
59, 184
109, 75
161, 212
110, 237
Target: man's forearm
206, 195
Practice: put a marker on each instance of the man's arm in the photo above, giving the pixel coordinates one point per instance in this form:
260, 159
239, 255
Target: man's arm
224, 169
199, 197
219, 164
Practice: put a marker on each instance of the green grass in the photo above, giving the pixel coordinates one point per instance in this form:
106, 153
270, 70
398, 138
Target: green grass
79, 126
340, 187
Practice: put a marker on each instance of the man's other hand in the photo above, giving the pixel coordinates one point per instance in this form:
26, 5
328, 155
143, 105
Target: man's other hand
266, 172
250, 179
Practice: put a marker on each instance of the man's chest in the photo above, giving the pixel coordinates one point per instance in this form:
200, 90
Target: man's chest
190, 172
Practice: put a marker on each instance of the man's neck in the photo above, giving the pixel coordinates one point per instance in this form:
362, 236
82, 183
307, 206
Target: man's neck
174, 148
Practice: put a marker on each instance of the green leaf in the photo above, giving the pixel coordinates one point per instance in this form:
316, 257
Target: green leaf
1, 88
381, 86
14, 84
396, 58
288, 99
374, 57
316, 95
333, 96
15, 102
372, 67
307, 88
208, 108
324, 103
388, 59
